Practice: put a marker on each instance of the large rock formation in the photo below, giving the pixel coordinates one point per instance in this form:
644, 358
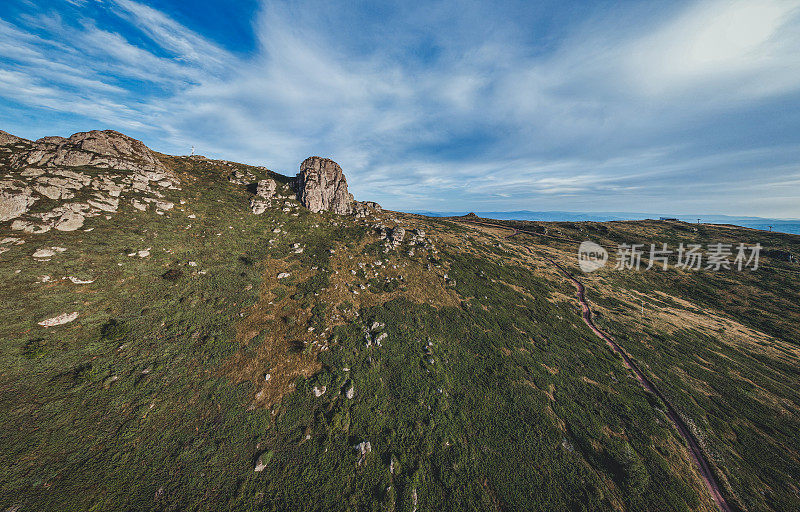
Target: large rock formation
106, 149
321, 186
80, 168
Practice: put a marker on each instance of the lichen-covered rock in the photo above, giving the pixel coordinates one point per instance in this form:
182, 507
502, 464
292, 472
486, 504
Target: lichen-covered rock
69, 221
321, 186
61, 319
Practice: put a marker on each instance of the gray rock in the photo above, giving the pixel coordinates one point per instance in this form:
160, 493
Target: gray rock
7, 138
259, 205
321, 186
12, 205
266, 188
105, 149
69, 221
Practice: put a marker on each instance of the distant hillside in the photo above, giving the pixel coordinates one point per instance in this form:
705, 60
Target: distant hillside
781, 225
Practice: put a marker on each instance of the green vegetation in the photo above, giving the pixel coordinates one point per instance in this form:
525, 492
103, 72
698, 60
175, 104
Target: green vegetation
487, 392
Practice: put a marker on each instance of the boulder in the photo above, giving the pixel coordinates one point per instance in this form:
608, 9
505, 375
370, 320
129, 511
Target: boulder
69, 221
363, 449
321, 186
12, 205
259, 205
396, 236
266, 188
59, 320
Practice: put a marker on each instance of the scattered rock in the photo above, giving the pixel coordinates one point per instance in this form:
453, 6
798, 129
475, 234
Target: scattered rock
319, 391
44, 253
59, 320
69, 221
283, 275
76, 280
363, 449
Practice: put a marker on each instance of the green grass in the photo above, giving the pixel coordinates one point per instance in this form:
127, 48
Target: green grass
503, 400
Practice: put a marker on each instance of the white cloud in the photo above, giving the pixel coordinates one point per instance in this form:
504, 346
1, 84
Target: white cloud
745, 46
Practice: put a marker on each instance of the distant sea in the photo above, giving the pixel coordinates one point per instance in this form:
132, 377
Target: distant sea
780, 225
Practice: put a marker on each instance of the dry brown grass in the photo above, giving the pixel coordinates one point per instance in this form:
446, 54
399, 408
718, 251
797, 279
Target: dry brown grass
289, 350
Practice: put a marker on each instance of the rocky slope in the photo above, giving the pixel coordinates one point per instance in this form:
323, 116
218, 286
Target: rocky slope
75, 178
90, 173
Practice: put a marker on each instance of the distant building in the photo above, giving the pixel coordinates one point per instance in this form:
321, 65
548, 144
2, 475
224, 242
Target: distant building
667, 218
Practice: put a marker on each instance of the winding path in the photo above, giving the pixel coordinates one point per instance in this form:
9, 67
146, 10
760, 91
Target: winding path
698, 456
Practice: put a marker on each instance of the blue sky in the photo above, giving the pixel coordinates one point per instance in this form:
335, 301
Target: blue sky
677, 107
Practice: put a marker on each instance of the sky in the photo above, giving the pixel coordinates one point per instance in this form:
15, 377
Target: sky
678, 107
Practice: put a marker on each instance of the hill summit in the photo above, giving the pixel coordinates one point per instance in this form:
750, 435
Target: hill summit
124, 169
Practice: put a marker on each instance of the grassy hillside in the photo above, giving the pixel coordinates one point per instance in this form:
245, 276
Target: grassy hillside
461, 360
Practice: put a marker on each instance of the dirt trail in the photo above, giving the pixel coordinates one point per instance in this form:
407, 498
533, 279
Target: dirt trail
696, 451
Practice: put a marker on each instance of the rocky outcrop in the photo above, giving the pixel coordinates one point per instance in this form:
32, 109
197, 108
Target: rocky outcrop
363, 209
105, 149
239, 177
266, 188
79, 174
7, 138
321, 186
265, 191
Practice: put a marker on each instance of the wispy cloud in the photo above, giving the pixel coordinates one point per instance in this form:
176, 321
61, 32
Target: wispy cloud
627, 107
